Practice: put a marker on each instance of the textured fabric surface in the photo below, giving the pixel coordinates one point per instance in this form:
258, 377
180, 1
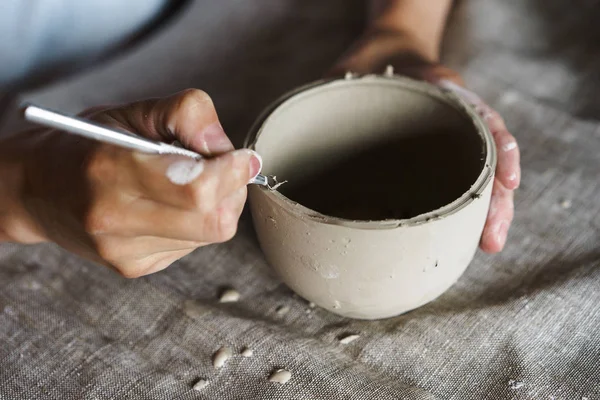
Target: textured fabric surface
519, 325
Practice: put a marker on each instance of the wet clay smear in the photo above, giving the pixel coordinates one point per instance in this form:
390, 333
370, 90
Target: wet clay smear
397, 179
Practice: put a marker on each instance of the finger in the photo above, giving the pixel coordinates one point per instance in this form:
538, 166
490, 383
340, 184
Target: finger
196, 185
461, 91
232, 171
508, 170
499, 218
117, 250
437, 74
188, 116
144, 217
234, 205
153, 263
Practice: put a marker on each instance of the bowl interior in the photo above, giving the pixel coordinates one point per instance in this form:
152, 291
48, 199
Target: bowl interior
371, 150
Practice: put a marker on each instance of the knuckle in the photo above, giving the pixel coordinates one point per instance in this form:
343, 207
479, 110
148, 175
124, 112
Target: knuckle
130, 270
199, 197
191, 99
219, 227
190, 194
98, 165
106, 164
226, 225
186, 103
227, 230
107, 252
100, 220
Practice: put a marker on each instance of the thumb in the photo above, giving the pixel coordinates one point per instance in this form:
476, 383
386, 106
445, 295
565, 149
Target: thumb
188, 117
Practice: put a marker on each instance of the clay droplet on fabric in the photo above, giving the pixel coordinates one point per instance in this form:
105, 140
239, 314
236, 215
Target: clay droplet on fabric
281, 310
195, 310
348, 338
221, 357
280, 376
566, 204
201, 384
229, 296
513, 384
247, 352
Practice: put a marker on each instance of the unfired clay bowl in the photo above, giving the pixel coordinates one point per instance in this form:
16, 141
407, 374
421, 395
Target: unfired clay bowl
389, 186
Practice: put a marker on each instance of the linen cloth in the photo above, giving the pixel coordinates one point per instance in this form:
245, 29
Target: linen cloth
523, 324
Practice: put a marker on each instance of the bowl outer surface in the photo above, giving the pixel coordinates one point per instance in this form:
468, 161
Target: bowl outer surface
372, 269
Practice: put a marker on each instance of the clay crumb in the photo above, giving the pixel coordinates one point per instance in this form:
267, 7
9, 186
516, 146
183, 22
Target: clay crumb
221, 357
348, 338
282, 310
311, 305
280, 376
273, 183
201, 384
247, 352
513, 384
566, 204
229, 296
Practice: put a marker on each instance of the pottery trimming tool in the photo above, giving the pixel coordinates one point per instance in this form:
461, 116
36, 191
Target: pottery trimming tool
94, 131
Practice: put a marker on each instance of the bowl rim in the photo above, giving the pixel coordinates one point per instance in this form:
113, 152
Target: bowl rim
446, 96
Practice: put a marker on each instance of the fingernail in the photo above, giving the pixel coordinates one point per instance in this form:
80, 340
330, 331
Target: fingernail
467, 95
255, 164
182, 172
214, 140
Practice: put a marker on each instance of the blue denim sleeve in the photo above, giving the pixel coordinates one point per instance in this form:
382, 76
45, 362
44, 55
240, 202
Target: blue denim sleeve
42, 36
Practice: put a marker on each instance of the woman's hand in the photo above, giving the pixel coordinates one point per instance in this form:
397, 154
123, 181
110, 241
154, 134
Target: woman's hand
137, 213
377, 49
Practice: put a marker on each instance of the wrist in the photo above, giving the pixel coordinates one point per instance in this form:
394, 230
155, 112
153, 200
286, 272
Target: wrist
422, 23
379, 47
16, 225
